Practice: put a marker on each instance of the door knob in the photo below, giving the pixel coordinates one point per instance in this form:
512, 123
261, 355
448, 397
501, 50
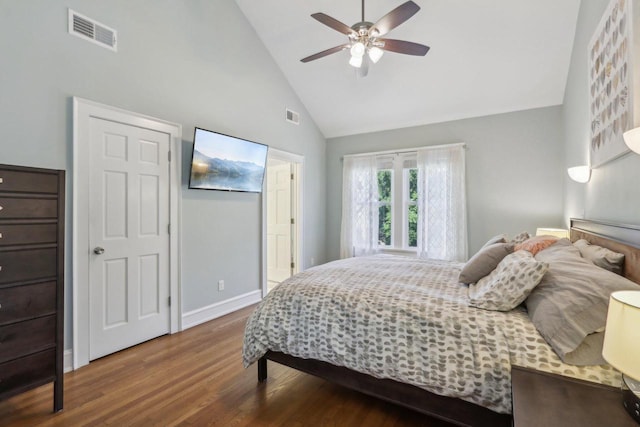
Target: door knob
98, 250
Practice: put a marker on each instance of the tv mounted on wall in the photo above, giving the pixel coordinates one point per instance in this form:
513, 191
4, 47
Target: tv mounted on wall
227, 163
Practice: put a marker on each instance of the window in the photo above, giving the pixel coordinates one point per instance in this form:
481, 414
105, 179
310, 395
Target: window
384, 195
398, 202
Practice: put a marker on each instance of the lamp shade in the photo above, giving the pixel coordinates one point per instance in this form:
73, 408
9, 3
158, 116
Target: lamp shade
355, 61
622, 335
632, 139
556, 232
375, 53
581, 174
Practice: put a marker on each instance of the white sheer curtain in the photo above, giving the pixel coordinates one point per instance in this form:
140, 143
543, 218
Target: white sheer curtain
442, 205
359, 233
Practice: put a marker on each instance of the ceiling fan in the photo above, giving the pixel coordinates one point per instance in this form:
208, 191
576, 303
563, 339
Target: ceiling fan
365, 38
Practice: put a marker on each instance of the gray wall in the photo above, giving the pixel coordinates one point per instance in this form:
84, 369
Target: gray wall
194, 62
514, 170
613, 192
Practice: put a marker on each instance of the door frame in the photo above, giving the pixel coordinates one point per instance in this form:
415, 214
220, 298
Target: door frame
83, 111
298, 162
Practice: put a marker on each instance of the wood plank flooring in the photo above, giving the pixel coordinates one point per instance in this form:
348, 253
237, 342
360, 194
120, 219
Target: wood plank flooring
196, 378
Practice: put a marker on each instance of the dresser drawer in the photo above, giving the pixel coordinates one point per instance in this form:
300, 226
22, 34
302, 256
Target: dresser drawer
28, 182
19, 303
25, 372
27, 264
15, 207
30, 336
27, 234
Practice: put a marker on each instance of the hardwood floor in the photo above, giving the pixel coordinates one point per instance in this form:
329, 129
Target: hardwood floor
196, 378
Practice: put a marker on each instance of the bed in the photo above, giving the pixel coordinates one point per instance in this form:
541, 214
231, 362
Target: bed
311, 325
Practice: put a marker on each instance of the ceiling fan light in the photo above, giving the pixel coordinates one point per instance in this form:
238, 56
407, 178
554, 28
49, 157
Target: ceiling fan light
375, 53
356, 61
357, 50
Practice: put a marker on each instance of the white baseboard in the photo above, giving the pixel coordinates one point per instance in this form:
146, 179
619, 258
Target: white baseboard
67, 358
219, 309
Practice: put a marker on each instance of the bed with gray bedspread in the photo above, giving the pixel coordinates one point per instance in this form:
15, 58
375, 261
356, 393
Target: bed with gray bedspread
405, 319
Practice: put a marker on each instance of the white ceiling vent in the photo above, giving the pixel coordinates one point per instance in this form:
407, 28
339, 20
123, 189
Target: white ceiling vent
93, 31
293, 117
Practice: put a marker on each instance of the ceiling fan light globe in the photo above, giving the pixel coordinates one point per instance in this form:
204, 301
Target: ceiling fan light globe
356, 61
375, 53
357, 50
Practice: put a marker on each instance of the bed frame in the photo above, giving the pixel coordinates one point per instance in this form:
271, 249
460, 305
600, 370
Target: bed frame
617, 237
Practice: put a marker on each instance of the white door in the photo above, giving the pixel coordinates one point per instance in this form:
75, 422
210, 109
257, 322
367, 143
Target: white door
128, 236
279, 222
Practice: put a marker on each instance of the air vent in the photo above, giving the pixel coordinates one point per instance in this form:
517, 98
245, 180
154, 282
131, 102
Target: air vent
293, 117
91, 30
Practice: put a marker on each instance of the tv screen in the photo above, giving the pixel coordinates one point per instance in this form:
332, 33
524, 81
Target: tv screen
223, 162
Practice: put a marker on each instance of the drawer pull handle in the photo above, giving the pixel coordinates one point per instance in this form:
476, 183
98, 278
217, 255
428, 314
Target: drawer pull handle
1, 180
0, 235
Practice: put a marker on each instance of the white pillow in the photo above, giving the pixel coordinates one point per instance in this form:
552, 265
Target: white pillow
509, 284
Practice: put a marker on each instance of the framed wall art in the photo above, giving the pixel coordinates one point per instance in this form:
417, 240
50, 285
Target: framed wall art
611, 83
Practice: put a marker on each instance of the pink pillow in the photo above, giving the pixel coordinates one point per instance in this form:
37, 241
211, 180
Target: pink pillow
536, 244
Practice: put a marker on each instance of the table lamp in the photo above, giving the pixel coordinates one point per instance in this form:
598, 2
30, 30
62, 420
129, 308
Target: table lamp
557, 232
621, 347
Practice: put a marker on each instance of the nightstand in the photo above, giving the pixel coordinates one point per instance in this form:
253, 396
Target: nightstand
544, 399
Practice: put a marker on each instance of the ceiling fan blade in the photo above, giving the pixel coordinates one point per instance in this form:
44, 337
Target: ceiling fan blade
334, 23
394, 18
325, 53
402, 46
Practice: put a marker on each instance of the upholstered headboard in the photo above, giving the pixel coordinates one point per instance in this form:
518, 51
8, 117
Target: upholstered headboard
620, 238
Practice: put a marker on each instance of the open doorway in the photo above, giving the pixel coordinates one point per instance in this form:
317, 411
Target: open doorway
282, 203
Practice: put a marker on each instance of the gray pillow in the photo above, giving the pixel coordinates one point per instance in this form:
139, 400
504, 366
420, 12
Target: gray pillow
484, 262
500, 238
571, 301
602, 257
519, 238
589, 352
509, 284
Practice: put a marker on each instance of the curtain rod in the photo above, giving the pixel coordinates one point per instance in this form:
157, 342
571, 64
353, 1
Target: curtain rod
406, 150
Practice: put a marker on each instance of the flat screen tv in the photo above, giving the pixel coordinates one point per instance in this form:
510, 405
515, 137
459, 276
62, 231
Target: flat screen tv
223, 162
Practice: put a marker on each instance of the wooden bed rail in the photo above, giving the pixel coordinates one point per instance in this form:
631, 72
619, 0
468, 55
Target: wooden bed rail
452, 410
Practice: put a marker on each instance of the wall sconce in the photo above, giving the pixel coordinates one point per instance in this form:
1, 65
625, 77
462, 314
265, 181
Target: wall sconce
632, 139
581, 174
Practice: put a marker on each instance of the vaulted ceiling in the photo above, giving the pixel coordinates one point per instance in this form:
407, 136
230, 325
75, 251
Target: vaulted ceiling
486, 57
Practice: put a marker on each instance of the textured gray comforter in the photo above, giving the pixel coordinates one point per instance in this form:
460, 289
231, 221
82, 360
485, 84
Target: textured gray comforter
406, 319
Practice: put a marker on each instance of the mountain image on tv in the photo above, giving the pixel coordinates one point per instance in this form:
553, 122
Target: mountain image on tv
223, 174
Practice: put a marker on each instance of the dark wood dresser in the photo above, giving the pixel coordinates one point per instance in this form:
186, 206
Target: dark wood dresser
31, 280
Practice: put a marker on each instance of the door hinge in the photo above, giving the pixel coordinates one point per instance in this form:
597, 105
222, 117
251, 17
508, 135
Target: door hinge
293, 221
169, 301
169, 155
169, 228
293, 265
292, 177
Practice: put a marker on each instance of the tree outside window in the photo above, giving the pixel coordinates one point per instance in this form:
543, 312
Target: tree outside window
412, 208
384, 207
